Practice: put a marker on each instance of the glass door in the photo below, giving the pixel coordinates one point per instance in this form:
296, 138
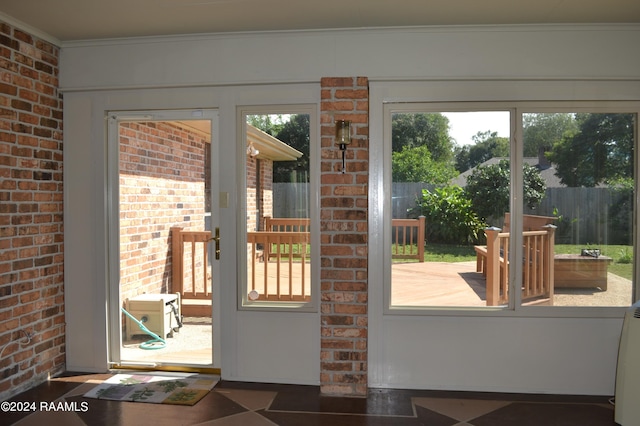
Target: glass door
278, 210
164, 253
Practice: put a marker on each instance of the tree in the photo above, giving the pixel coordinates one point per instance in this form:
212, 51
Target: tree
489, 191
294, 133
542, 130
416, 165
410, 130
599, 152
268, 123
486, 145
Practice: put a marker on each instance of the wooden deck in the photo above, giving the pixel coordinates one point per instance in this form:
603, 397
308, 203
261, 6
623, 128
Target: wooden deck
450, 284
458, 284
437, 284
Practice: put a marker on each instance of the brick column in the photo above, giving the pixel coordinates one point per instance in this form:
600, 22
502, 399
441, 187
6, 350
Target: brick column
343, 233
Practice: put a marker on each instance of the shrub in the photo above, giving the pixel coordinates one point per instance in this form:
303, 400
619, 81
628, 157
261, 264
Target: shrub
625, 256
450, 217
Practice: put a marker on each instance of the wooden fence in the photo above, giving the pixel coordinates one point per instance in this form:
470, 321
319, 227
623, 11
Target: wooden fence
586, 215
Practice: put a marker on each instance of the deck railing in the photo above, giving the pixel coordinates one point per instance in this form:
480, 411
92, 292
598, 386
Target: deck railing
278, 258
286, 224
407, 234
195, 245
281, 272
280, 224
408, 238
538, 264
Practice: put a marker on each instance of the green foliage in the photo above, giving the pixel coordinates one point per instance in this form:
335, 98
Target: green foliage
410, 130
542, 130
294, 133
534, 186
487, 145
599, 152
268, 123
416, 165
625, 256
449, 215
621, 211
564, 226
488, 189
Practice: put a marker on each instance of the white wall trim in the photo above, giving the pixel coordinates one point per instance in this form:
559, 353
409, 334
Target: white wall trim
432, 29
29, 29
533, 52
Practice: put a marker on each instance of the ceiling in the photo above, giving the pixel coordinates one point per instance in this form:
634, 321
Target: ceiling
69, 20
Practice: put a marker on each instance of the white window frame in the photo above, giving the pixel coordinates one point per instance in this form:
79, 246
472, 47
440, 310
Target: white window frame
244, 304
388, 98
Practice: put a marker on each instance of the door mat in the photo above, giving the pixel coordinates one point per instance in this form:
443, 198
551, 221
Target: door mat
156, 388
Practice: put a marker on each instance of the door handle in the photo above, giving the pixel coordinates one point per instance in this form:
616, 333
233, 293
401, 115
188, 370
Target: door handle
217, 240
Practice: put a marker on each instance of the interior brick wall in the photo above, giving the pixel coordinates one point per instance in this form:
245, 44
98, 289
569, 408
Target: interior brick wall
162, 172
343, 238
32, 333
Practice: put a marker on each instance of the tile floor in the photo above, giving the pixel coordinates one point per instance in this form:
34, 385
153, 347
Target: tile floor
251, 404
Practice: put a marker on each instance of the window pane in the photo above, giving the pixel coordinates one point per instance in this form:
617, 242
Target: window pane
277, 200
577, 225
450, 172
587, 163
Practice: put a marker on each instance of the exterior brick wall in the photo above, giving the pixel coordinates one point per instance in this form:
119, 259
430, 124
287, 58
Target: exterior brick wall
266, 195
259, 196
31, 206
343, 239
162, 184
259, 192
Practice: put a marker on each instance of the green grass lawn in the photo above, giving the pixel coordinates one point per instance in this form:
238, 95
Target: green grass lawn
621, 265
441, 253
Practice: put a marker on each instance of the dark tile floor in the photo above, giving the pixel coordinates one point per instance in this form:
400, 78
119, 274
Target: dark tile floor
252, 404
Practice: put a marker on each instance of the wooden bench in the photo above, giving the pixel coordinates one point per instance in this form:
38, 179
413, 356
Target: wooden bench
530, 222
538, 264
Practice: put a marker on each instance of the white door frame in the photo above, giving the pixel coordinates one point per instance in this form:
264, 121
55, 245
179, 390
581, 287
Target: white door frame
114, 320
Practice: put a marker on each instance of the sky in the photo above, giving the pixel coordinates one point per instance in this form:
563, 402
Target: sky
464, 125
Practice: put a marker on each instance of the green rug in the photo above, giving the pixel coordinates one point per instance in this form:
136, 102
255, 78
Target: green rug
155, 387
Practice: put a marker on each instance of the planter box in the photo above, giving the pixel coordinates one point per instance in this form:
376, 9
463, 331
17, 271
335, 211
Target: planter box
575, 271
